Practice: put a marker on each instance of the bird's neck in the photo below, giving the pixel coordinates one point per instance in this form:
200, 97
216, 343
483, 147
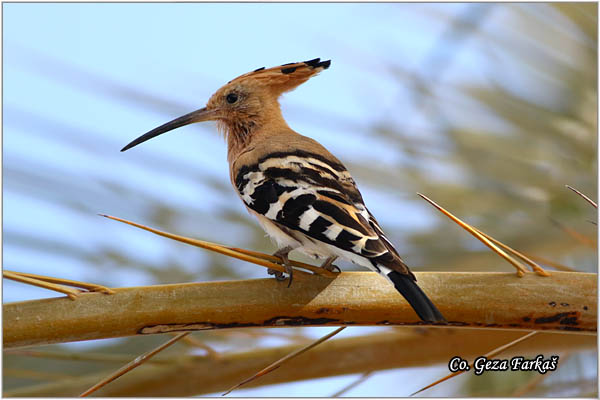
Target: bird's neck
241, 133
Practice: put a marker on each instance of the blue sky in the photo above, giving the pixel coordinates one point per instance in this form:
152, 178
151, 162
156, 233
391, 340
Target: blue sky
73, 67
81, 80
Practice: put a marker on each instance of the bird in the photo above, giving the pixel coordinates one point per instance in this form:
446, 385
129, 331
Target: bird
302, 195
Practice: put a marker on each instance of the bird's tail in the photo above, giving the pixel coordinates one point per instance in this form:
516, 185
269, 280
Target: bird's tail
419, 301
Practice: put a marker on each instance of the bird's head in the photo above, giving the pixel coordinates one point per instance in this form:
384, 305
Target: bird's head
246, 103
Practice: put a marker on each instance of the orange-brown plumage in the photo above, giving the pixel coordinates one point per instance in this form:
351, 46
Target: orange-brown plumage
257, 112
301, 194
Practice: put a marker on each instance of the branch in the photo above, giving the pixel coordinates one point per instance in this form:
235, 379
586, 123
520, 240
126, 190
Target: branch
403, 347
565, 301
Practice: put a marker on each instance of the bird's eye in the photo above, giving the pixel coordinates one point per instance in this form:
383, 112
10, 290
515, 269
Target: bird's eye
231, 98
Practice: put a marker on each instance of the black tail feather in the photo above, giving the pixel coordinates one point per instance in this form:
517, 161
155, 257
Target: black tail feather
419, 301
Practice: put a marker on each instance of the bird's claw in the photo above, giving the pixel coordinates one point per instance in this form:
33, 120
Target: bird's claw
328, 265
332, 268
283, 254
278, 274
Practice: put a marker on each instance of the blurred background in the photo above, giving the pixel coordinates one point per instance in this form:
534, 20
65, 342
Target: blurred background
488, 109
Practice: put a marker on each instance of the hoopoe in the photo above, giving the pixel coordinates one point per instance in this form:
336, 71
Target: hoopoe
301, 194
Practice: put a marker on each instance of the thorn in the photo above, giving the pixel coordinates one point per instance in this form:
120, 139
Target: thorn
279, 362
593, 203
490, 354
482, 238
265, 260
133, 364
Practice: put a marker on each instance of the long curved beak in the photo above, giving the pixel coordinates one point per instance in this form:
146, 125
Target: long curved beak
200, 115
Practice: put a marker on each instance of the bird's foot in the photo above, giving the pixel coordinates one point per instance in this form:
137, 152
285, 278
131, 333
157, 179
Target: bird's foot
328, 265
334, 268
283, 254
278, 274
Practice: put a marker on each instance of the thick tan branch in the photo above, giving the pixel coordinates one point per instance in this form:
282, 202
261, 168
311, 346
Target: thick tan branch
565, 301
403, 347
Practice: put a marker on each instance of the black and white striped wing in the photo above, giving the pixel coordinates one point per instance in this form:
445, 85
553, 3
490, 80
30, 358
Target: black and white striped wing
308, 193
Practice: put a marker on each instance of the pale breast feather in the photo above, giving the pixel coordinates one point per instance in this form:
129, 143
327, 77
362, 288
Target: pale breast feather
313, 195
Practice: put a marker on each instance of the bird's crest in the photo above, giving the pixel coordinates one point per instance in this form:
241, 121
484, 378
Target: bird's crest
285, 77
